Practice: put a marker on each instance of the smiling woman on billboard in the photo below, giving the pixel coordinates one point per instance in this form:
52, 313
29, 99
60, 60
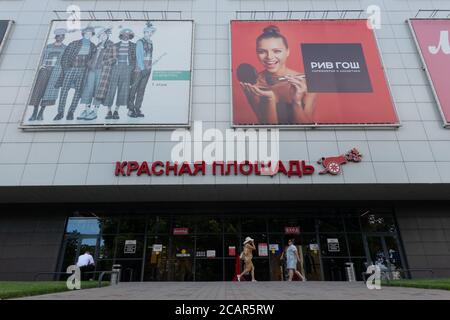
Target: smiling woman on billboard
308, 73
278, 94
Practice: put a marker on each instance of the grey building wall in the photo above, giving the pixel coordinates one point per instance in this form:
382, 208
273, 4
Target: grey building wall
62, 165
29, 243
425, 231
417, 152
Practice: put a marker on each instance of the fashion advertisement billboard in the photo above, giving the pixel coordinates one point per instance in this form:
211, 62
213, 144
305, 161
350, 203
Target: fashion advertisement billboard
308, 73
432, 39
5, 27
113, 73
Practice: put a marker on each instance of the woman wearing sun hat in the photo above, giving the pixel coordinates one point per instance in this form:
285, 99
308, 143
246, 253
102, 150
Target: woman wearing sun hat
249, 246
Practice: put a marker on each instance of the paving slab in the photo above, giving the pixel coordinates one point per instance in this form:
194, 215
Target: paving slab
310, 290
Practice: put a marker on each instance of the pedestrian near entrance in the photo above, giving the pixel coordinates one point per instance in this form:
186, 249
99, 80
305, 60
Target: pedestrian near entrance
249, 246
86, 264
292, 258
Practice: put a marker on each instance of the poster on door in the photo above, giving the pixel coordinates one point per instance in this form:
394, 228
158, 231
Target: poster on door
263, 250
112, 73
274, 248
130, 247
432, 40
308, 73
210, 253
333, 245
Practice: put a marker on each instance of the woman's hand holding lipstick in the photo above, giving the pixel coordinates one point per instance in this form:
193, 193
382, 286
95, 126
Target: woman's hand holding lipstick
298, 88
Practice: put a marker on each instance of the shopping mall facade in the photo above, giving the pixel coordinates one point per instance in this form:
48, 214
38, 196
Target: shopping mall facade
110, 185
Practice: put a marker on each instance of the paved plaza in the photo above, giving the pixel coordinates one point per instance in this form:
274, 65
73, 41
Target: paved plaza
247, 291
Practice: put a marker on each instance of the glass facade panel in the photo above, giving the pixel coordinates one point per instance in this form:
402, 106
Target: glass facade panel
373, 222
83, 226
132, 225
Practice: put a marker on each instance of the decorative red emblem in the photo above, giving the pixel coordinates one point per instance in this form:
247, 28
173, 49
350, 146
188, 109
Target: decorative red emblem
332, 165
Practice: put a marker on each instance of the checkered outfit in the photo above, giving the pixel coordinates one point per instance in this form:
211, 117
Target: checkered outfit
109, 59
74, 71
47, 76
120, 78
51, 93
73, 80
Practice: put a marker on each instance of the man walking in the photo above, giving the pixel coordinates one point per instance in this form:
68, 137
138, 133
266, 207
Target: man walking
74, 64
142, 72
99, 75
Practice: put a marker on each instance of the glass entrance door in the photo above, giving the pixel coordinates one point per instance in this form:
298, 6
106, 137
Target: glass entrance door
182, 259
311, 257
157, 259
384, 251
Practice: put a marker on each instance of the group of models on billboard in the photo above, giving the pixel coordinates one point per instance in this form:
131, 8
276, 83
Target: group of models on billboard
102, 65
97, 72
284, 73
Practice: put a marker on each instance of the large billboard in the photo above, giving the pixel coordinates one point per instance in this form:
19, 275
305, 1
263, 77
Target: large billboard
432, 39
5, 26
113, 74
308, 73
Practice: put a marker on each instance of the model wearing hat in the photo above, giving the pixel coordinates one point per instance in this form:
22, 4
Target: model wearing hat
99, 75
142, 72
121, 73
74, 63
249, 246
44, 91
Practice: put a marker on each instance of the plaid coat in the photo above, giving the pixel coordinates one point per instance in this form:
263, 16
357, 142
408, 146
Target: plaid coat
52, 93
109, 59
69, 56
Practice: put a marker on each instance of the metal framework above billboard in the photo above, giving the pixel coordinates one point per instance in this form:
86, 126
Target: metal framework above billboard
432, 14
109, 73
308, 73
298, 14
431, 36
118, 14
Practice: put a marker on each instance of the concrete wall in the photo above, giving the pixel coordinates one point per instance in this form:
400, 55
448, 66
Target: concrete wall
29, 243
425, 231
418, 152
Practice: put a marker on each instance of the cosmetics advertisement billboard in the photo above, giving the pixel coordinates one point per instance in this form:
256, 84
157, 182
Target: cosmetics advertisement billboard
308, 73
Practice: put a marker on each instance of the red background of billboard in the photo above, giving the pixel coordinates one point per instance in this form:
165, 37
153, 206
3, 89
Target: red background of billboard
331, 108
427, 34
